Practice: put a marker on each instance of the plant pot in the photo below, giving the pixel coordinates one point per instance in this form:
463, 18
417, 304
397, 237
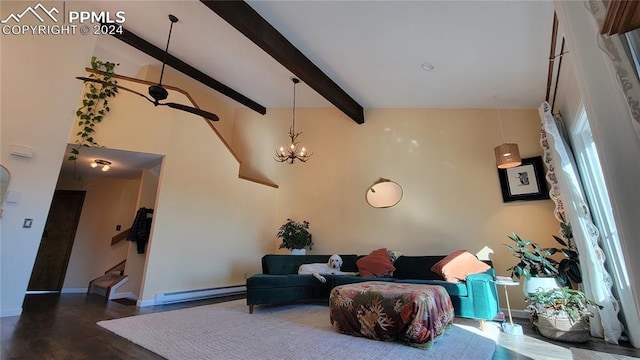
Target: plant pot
534, 283
298, 251
561, 328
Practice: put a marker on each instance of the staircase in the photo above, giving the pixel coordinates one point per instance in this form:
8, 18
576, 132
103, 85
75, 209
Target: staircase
106, 284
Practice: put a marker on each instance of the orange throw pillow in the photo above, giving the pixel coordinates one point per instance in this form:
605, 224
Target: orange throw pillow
376, 264
457, 265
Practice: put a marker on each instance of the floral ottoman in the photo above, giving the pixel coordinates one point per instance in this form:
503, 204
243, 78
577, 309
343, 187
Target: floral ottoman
415, 314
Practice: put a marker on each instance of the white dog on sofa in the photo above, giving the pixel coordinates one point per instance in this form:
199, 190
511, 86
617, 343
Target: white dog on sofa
332, 267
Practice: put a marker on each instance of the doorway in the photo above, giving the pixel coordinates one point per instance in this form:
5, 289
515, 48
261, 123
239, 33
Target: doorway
57, 241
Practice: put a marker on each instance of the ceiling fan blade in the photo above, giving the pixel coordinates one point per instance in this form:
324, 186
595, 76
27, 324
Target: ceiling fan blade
203, 113
87, 79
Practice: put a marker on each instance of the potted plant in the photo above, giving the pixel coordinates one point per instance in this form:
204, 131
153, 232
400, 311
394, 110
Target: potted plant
534, 264
562, 314
295, 236
569, 272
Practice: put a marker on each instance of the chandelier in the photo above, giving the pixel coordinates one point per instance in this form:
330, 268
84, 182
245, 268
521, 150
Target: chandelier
293, 152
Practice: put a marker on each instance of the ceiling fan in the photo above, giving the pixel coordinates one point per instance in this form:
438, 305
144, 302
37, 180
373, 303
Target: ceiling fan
157, 91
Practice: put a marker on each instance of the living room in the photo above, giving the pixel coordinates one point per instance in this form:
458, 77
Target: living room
211, 228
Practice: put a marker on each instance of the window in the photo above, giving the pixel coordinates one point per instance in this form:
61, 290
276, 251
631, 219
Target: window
595, 189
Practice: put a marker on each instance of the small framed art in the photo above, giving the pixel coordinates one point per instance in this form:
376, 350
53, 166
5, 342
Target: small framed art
524, 182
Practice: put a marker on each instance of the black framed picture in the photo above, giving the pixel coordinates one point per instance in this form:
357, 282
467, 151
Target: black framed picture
524, 182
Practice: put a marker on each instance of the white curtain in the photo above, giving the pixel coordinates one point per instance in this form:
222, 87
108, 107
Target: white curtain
571, 203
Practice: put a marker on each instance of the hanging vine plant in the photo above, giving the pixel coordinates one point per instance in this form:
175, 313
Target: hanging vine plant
95, 104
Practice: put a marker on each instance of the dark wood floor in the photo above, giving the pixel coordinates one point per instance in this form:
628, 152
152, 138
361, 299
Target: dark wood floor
595, 344
64, 327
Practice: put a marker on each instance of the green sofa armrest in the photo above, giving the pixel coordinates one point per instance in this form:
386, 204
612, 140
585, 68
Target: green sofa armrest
483, 295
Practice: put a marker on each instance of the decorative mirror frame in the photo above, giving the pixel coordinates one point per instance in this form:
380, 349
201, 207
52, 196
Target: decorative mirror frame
384, 193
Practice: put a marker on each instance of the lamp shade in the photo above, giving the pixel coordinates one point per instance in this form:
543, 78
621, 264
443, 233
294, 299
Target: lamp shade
507, 156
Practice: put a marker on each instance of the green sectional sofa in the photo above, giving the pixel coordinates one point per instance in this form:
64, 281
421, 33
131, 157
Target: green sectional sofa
475, 298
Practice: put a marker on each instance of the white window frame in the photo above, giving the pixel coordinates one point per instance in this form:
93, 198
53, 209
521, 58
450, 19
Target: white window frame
593, 182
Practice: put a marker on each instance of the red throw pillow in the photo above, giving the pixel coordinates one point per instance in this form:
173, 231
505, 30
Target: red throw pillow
376, 264
457, 265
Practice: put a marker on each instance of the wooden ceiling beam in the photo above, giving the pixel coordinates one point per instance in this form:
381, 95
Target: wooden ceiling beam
246, 20
158, 54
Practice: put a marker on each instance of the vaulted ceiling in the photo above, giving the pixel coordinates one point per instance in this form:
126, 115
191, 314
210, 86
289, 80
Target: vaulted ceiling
483, 53
378, 54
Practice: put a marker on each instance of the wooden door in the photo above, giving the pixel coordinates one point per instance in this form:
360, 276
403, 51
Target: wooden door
57, 241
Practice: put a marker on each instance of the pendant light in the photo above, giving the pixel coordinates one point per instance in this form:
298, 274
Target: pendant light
507, 154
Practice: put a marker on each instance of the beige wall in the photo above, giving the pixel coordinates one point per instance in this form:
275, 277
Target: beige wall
134, 267
107, 203
35, 113
209, 227
442, 158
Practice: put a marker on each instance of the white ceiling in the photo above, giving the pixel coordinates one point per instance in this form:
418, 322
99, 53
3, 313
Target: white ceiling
124, 164
481, 50
486, 54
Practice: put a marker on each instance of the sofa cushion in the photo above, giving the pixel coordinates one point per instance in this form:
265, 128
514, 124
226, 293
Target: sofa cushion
376, 264
454, 289
416, 267
279, 281
457, 265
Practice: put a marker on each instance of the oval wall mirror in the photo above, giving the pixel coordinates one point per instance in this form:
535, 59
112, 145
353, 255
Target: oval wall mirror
384, 193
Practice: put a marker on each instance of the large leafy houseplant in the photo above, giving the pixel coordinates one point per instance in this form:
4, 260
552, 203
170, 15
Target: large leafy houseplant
569, 267
535, 260
295, 235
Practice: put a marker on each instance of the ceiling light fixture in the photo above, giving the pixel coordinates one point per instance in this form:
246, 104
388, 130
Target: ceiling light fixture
293, 152
106, 165
507, 154
427, 67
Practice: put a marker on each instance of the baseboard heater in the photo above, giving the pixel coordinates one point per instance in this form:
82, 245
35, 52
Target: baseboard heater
190, 295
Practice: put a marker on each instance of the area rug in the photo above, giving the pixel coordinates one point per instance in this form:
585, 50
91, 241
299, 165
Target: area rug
299, 331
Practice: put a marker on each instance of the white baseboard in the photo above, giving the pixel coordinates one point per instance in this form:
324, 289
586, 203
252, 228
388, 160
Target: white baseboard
74, 290
11, 312
190, 295
143, 303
